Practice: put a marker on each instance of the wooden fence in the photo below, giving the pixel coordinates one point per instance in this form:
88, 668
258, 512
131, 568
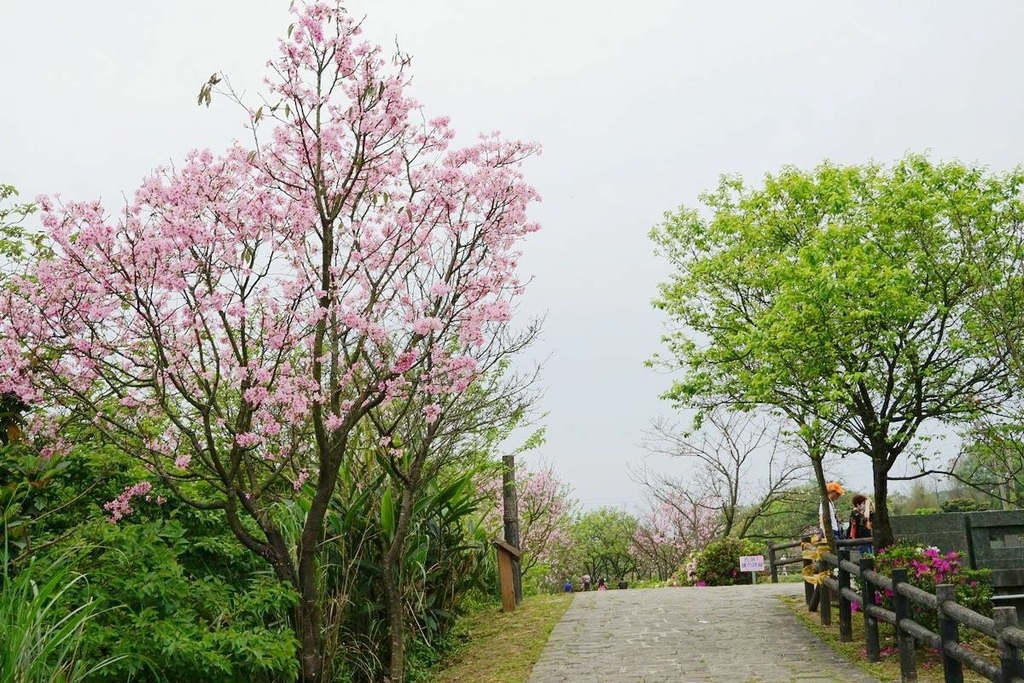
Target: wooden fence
1002, 627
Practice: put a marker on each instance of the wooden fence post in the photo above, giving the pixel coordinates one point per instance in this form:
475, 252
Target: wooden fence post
1009, 655
949, 631
870, 624
905, 641
771, 563
510, 503
825, 604
845, 613
808, 588
867, 593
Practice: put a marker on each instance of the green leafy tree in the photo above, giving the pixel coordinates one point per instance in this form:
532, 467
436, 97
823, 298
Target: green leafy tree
963, 505
16, 243
992, 463
603, 541
855, 300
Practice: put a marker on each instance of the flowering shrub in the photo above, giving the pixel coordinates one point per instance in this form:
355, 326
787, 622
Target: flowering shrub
718, 564
928, 567
686, 574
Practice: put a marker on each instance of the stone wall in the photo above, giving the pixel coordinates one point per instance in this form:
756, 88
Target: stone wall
992, 540
988, 540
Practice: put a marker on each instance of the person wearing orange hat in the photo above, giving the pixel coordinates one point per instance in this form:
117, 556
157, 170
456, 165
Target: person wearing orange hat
834, 492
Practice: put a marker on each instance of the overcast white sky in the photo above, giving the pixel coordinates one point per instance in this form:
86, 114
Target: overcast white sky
639, 106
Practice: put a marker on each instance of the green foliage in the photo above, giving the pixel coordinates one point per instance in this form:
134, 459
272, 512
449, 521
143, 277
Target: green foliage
45, 497
25, 479
719, 563
992, 462
446, 561
928, 567
786, 517
927, 511
16, 243
171, 592
193, 602
963, 505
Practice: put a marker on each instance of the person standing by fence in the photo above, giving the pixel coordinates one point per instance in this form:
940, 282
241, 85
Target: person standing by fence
834, 492
860, 521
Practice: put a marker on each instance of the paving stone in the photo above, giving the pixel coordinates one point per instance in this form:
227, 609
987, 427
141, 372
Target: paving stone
727, 634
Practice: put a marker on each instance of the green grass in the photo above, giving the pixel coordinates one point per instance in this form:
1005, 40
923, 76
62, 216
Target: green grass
929, 663
41, 632
503, 647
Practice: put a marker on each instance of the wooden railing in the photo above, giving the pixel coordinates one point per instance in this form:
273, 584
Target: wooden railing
774, 562
1002, 627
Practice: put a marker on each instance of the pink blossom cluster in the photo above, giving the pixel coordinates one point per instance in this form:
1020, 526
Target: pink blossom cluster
121, 506
936, 565
674, 528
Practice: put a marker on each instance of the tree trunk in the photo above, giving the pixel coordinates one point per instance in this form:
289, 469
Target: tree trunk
393, 578
396, 622
306, 616
881, 527
823, 515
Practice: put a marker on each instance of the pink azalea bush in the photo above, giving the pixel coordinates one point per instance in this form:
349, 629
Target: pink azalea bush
929, 567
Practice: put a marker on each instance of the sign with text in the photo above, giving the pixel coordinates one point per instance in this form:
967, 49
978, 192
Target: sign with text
752, 563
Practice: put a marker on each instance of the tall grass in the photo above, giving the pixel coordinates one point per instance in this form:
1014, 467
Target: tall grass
40, 633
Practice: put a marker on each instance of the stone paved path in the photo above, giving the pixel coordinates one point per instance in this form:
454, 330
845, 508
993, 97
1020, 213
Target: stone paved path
729, 634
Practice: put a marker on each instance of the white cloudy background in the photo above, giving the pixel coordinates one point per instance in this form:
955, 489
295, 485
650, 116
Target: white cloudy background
639, 106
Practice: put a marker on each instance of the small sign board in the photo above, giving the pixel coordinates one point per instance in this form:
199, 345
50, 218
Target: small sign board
752, 563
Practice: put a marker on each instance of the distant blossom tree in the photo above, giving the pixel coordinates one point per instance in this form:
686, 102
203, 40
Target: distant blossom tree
743, 465
246, 312
546, 511
673, 527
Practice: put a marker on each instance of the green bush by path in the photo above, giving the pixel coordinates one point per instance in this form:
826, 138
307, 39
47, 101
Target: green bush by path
718, 564
186, 598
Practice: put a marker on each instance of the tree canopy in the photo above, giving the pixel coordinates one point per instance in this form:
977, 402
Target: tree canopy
858, 301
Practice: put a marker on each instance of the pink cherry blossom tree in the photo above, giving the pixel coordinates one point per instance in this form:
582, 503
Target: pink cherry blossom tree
546, 512
245, 312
